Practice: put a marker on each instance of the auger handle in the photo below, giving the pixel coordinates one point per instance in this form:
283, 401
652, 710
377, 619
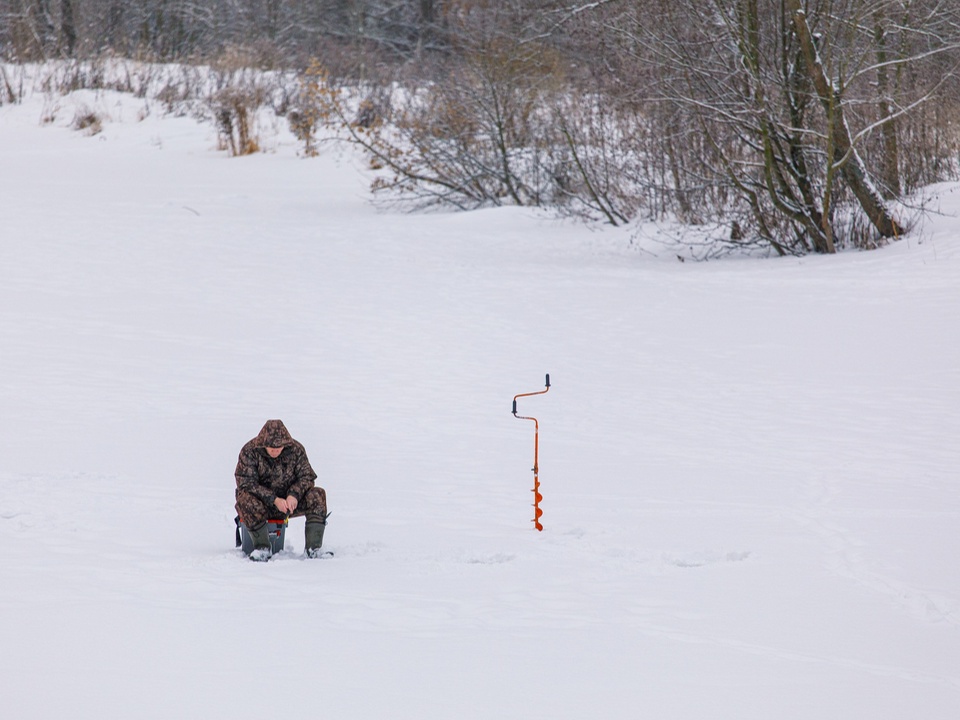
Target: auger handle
529, 394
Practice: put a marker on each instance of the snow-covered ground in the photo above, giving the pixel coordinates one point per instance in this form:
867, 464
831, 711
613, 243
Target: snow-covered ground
749, 467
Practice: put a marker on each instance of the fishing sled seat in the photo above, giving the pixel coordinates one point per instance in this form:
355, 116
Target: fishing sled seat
277, 531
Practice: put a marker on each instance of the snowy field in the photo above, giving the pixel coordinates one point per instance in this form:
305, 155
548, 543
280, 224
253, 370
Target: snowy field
749, 467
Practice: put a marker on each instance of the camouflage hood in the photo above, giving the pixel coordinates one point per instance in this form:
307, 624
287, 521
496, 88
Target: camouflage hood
274, 434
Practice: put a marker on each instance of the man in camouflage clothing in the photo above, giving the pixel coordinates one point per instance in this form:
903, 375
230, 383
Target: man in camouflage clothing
275, 481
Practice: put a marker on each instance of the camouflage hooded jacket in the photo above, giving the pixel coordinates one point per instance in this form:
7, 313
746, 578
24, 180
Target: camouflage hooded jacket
268, 478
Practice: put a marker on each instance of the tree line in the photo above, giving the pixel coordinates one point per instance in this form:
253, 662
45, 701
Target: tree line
793, 125
32, 30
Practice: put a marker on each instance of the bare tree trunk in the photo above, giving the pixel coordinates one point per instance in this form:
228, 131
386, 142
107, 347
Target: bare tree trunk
114, 36
273, 19
43, 19
844, 153
68, 28
426, 30
427, 12
890, 172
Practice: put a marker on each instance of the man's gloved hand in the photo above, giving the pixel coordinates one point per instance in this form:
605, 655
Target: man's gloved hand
287, 506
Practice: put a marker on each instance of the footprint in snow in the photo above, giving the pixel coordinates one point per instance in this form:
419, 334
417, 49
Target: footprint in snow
705, 558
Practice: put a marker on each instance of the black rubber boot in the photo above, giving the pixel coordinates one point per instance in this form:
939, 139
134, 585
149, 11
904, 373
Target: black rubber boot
313, 535
261, 543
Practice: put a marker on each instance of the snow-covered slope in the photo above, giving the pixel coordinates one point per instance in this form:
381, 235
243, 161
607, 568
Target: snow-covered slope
749, 467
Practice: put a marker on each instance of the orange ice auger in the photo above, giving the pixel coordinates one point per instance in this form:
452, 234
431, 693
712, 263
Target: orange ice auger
537, 497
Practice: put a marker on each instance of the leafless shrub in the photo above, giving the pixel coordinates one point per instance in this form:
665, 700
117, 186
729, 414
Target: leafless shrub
181, 89
234, 112
238, 94
173, 96
312, 104
7, 93
50, 111
72, 75
473, 136
87, 121
136, 78
596, 171
369, 114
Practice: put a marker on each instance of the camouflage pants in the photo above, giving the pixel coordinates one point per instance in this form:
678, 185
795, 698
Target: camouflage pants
254, 512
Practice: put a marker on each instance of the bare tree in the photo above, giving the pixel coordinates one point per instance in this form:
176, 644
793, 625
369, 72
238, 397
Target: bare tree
778, 95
